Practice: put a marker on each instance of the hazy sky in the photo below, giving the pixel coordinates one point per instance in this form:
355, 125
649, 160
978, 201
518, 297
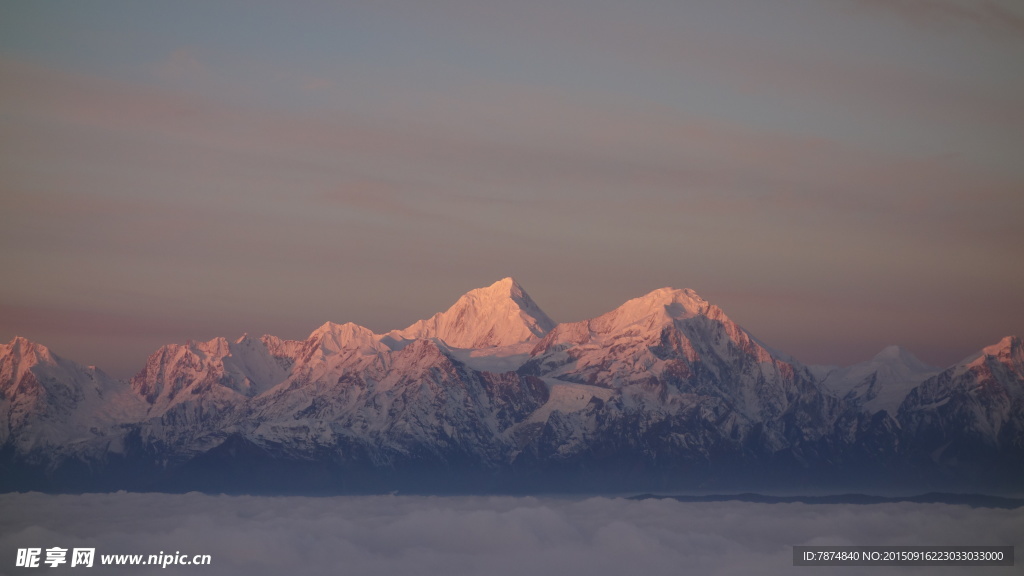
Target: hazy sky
837, 175
500, 536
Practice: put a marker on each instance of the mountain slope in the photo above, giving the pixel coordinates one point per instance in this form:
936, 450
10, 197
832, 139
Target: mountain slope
688, 382
415, 403
971, 412
52, 404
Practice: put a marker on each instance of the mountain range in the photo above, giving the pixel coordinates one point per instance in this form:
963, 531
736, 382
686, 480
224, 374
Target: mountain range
665, 392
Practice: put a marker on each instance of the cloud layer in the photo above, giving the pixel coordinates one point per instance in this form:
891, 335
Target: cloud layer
395, 535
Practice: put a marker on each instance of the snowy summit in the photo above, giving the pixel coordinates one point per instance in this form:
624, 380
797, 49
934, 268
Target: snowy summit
501, 314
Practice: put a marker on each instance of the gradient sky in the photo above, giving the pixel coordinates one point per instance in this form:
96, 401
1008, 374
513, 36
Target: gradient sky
837, 175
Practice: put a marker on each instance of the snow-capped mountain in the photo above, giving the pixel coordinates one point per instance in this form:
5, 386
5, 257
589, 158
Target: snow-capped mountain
973, 411
664, 391
880, 383
501, 314
189, 389
415, 403
52, 405
677, 362
233, 371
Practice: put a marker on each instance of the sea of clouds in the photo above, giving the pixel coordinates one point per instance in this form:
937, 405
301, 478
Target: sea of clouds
451, 536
